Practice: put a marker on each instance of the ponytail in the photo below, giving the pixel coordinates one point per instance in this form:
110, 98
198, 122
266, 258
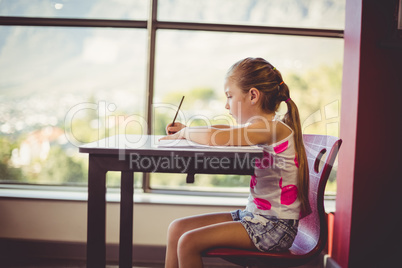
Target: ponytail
292, 119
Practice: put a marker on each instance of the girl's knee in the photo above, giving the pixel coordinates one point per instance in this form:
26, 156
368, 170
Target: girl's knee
187, 244
176, 229
175, 225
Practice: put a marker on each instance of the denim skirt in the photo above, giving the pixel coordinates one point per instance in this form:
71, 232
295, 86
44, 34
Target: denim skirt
268, 233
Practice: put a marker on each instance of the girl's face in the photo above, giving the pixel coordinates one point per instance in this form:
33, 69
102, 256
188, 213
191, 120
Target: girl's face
237, 102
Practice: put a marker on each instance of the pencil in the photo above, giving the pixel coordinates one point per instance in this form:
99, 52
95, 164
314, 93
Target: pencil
174, 119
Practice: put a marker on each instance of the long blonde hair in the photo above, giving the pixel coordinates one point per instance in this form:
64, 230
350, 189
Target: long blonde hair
260, 74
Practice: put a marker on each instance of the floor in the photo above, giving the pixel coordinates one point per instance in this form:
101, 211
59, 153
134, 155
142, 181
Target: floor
60, 264
82, 264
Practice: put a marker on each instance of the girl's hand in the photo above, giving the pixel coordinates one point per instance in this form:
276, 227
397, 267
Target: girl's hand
172, 129
176, 136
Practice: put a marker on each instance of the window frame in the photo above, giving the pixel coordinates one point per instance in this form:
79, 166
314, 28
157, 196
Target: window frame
152, 25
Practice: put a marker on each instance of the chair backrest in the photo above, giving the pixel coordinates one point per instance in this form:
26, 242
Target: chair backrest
313, 231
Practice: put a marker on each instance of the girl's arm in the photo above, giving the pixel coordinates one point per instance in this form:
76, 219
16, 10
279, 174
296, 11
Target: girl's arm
179, 126
256, 133
222, 126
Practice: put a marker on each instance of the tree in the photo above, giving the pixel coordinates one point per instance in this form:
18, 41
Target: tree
7, 172
60, 168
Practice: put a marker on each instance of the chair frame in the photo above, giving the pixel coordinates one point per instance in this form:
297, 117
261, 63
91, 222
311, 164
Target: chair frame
316, 147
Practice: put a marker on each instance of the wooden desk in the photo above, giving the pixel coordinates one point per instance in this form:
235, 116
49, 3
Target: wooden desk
140, 153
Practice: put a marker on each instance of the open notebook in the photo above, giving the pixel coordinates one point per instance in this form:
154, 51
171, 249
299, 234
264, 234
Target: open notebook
190, 144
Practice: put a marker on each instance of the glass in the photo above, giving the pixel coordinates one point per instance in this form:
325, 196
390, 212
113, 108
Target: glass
194, 64
61, 87
329, 14
88, 9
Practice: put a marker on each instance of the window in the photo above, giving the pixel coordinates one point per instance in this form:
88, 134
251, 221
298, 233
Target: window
199, 72
76, 9
328, 14
71, 69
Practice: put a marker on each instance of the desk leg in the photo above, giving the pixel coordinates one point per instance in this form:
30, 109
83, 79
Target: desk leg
96, 241
126, 220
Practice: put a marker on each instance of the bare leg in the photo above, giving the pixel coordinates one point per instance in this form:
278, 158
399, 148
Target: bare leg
178, 227
193, 243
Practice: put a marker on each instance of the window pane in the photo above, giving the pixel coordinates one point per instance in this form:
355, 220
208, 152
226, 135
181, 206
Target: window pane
324, 14
194, 64
61, 87
88, 9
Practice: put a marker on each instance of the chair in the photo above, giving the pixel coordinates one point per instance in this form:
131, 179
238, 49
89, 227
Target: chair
313, 231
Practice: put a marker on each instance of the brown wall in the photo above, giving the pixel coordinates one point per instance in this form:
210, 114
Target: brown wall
369, 196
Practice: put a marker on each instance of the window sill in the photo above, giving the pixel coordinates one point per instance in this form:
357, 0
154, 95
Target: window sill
65, 193
80, 194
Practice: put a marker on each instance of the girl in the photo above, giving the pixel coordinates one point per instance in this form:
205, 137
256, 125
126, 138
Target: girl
279, 187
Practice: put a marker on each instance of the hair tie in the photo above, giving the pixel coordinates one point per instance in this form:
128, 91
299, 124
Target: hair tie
287, 100
273, 69
281, 83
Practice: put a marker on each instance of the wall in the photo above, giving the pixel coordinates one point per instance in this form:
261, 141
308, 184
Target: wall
67, 220
368, 209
